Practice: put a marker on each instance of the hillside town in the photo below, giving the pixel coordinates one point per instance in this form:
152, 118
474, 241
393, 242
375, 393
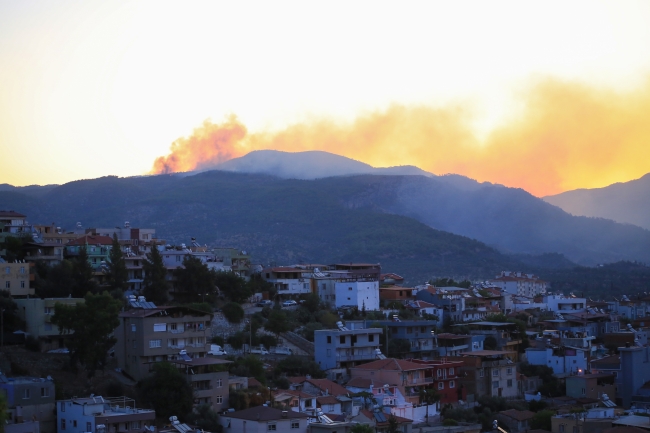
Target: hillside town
180, 338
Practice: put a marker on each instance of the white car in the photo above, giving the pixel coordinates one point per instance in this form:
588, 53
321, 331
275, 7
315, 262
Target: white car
289, 303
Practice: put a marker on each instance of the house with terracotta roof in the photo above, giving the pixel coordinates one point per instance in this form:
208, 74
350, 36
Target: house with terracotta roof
422, 307
297, 401
97, 247
380, 421
516, 420
488, 372
288, 281
338, 349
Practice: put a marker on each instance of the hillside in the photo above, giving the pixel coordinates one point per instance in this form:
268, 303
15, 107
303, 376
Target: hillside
625, 202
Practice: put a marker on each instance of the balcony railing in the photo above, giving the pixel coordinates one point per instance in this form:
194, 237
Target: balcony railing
177, 330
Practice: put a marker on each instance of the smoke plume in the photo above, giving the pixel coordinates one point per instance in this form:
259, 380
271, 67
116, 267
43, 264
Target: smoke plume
566, 136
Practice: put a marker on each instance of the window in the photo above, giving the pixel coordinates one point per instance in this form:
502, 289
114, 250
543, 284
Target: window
159, 327
371, 338
308, 402
22, 269
495, 372
134, 344
45, 392
342, 339
561, 428
350, 288
409, 330
7, 270
62, 407
495, 384
295, 424
22, 286
271, 426
155, 343
62, 423
451, 371
135, 425
452, 384
133, 327
329, 352
219, 399
74, 423
509, 383
574, 429
509, 370
7, 284
219, 383
178, 258
441, 385
480, 373
329, 339
26, 393
439, 373
89, 426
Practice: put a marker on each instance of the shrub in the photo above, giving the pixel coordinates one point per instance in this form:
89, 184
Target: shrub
233, 312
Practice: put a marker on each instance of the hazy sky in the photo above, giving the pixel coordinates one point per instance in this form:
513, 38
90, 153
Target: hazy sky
494, 90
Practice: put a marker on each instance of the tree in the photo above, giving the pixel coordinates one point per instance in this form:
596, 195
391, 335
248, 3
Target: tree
195, 279
277, 322
248, 366
232, 286
233, 312
398, 347
155, 284
206, 419
82, 275
116, 272
362, 428
393, 425
167, 391
3, 411
542, 420
11, 321
90, 326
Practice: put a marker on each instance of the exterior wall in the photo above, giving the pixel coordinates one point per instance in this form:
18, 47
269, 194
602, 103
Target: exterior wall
560, 304
16, 278
31, 399
418, 333
635, 371
360, 294
211, 388
236, 425
588, 387
73, 416
335, 348
37, 313
567, 364
496, 378
452, 305
138, 343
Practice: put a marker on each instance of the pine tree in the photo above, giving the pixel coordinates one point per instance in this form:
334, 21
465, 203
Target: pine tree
116, 272
155, 285
82, 275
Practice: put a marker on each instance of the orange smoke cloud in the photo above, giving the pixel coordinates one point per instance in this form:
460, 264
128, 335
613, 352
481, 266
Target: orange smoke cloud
567, 136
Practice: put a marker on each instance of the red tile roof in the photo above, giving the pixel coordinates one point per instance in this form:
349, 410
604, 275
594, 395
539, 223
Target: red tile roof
326, 385
10, 213
327, 399
360, 382
92, 240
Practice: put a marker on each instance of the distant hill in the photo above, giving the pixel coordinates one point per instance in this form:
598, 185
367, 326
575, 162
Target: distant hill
312, 164
626, 202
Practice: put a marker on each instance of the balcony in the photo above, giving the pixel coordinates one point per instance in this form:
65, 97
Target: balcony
364, 357
179, 330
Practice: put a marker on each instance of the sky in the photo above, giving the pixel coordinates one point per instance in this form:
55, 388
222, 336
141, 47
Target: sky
546, 96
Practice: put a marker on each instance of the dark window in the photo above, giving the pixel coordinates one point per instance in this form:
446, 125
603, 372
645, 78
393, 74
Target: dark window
342, 339
329, 339
371, 337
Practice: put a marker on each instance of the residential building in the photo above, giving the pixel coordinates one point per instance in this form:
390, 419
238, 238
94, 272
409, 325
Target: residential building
288, 281
593, 420
37, 314
235, 260
565, 304
395, 293
634, 374
175, 334
516, 420
262, 419
132, 240
455, 344
422, 308
518, 283
379, 421
342, 348
98, 414
504, 335
450, 299
364, 278
420, 334
297, 401
591, 386
564, 360
97, 248
48, 252
488, 372
16, 278
29, 399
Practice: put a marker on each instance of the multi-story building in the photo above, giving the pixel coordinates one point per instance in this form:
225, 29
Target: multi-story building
103, 415
592, 386
450, 299
357, 281
504, 335
288, 281
132, 240
97, 247
342, 348
565, 304
488, 372
634, 375
563, 360
30, 399
176, 334
37, 314
235, 260
13, 224
16, 278
518, 283
455, 344
419, 333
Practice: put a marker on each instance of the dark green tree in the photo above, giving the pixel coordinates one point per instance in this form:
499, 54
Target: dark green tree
195, 280
116, 272
167, 391
542, 420
233, 312
362, 428
82, 275
206, 419
398, 347
90, 326
11, 321
54, 281
232, 286
277, 322
155, 284
249, 365
393, 425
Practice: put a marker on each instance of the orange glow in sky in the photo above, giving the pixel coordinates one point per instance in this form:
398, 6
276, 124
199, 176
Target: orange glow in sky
546, 96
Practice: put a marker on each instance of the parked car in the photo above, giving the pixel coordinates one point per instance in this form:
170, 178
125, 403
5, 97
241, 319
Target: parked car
217, 350
289, 303
265, 303
281, 350
260, 350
